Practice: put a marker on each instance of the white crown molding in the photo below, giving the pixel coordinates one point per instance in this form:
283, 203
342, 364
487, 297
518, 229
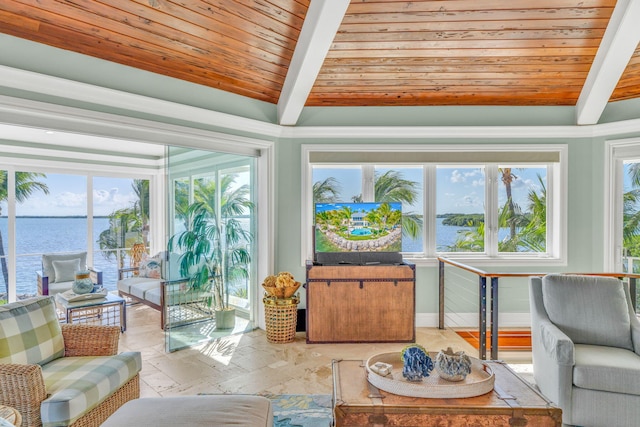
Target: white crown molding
69, 89
42, 115
467, 132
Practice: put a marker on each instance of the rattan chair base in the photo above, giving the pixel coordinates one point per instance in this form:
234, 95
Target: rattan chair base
98, 415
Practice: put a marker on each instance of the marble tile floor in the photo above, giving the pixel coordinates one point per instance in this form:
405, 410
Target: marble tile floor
248, 363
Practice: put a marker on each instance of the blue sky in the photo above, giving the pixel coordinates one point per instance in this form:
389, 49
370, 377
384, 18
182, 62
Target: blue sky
459, 189
68, 196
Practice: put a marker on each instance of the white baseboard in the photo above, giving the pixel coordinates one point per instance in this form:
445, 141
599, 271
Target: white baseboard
471, 320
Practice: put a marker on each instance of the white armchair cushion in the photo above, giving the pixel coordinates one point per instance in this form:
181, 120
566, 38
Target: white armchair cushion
588, 309
47, 263
610, 369
65, 270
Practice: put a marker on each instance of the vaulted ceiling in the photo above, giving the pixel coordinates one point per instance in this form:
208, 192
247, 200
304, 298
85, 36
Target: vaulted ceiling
297, 53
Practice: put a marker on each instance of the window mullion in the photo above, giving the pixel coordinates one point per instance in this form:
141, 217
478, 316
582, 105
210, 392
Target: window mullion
368, 183
11, 235
491, 210
430, 210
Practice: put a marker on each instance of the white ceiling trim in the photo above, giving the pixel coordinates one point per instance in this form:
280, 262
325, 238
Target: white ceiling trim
70, 89
318, 31
616, 49
440, 132
40, 115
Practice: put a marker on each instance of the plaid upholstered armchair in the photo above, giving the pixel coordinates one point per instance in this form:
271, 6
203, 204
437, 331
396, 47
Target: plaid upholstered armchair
62, 375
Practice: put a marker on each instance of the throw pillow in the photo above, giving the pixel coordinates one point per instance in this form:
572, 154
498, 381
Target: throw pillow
66, 270
150, 267
30, 331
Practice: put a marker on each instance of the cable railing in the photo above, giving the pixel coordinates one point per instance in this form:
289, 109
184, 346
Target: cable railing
487, 294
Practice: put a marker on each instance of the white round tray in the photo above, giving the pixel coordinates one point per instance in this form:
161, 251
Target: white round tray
479, 381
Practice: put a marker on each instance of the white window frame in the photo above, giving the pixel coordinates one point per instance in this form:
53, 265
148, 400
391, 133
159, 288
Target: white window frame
556, 254
616, 153
89, 173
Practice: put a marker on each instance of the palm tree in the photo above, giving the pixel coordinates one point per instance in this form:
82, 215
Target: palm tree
533, 236
122, 223
26, 185
533, 225
392, 187
326, 191
507, 178
469, 240
127, 225
214, 236
141, 205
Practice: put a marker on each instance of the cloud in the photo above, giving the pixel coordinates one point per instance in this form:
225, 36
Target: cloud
469, 200
107, 201
456, 176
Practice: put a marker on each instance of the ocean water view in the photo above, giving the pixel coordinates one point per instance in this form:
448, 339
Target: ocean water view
38, 235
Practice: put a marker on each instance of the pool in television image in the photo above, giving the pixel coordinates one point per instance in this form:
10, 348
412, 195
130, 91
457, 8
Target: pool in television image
358, 227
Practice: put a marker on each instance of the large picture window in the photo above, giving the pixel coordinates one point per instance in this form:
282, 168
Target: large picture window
488, 203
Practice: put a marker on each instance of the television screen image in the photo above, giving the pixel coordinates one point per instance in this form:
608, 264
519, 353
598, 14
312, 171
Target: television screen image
358, 227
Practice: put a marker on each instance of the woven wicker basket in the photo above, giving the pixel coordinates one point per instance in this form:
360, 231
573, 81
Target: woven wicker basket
281, 316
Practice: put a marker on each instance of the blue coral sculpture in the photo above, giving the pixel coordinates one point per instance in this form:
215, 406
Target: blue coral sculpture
417, 363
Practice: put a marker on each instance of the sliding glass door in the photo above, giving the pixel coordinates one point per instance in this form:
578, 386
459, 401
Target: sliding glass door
211, 245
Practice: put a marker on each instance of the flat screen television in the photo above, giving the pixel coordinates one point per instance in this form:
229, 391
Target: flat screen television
358, 227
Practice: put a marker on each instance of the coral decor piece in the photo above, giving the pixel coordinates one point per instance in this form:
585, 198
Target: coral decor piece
417, 363
453, 366
281, 286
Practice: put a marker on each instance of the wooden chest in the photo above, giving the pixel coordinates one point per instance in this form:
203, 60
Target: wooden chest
513, 402
351, 303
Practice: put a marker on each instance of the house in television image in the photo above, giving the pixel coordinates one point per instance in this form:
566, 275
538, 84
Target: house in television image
351, 227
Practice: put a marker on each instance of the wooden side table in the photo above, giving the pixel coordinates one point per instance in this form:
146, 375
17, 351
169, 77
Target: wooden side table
11, 415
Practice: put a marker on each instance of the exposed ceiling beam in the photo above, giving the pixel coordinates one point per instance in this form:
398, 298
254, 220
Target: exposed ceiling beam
318, 31
618, 44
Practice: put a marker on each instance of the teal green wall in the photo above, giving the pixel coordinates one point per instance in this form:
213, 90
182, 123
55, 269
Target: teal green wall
585, 159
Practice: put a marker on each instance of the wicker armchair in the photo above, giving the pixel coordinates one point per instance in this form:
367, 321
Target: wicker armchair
22, 386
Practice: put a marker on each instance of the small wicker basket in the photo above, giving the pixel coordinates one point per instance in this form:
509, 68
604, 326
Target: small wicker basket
281, 316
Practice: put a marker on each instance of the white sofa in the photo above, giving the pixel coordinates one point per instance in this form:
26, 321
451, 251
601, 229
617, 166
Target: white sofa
164, 293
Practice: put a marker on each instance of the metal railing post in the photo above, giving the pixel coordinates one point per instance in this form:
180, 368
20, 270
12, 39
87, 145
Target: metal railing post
633, 291
440, 295
482, 327
494, 318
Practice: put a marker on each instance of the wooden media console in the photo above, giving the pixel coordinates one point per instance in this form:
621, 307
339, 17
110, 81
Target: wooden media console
360, 303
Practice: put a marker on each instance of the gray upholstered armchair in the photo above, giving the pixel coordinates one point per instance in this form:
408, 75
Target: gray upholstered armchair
586, 346
58, 272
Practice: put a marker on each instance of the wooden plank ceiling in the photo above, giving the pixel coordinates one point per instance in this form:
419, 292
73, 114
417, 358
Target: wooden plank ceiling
385, 52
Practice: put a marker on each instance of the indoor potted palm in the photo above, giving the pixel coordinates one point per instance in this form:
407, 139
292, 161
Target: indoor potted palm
202, 259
